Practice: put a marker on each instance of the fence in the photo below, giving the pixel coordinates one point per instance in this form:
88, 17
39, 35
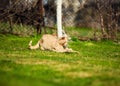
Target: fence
34, 14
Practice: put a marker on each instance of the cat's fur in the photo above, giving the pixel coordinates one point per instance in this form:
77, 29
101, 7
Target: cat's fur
53, 43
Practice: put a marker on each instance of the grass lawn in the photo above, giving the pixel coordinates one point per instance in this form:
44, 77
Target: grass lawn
96, 64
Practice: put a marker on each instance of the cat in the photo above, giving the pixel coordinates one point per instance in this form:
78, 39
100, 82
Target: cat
52, 43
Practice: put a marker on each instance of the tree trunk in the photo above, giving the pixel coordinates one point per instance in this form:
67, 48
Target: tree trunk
10, 23
41, 13
104, 34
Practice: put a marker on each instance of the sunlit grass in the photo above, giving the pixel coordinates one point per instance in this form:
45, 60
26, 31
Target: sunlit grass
76, 31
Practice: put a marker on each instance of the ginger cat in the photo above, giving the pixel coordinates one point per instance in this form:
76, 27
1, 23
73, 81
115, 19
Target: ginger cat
53, 43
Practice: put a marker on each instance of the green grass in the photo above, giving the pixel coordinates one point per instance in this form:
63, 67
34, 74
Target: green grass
17, 29
76, 31
96, 64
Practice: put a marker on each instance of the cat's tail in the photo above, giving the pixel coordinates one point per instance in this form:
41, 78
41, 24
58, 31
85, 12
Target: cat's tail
35, 46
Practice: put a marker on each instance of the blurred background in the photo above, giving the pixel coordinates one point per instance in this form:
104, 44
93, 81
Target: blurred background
29, 16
